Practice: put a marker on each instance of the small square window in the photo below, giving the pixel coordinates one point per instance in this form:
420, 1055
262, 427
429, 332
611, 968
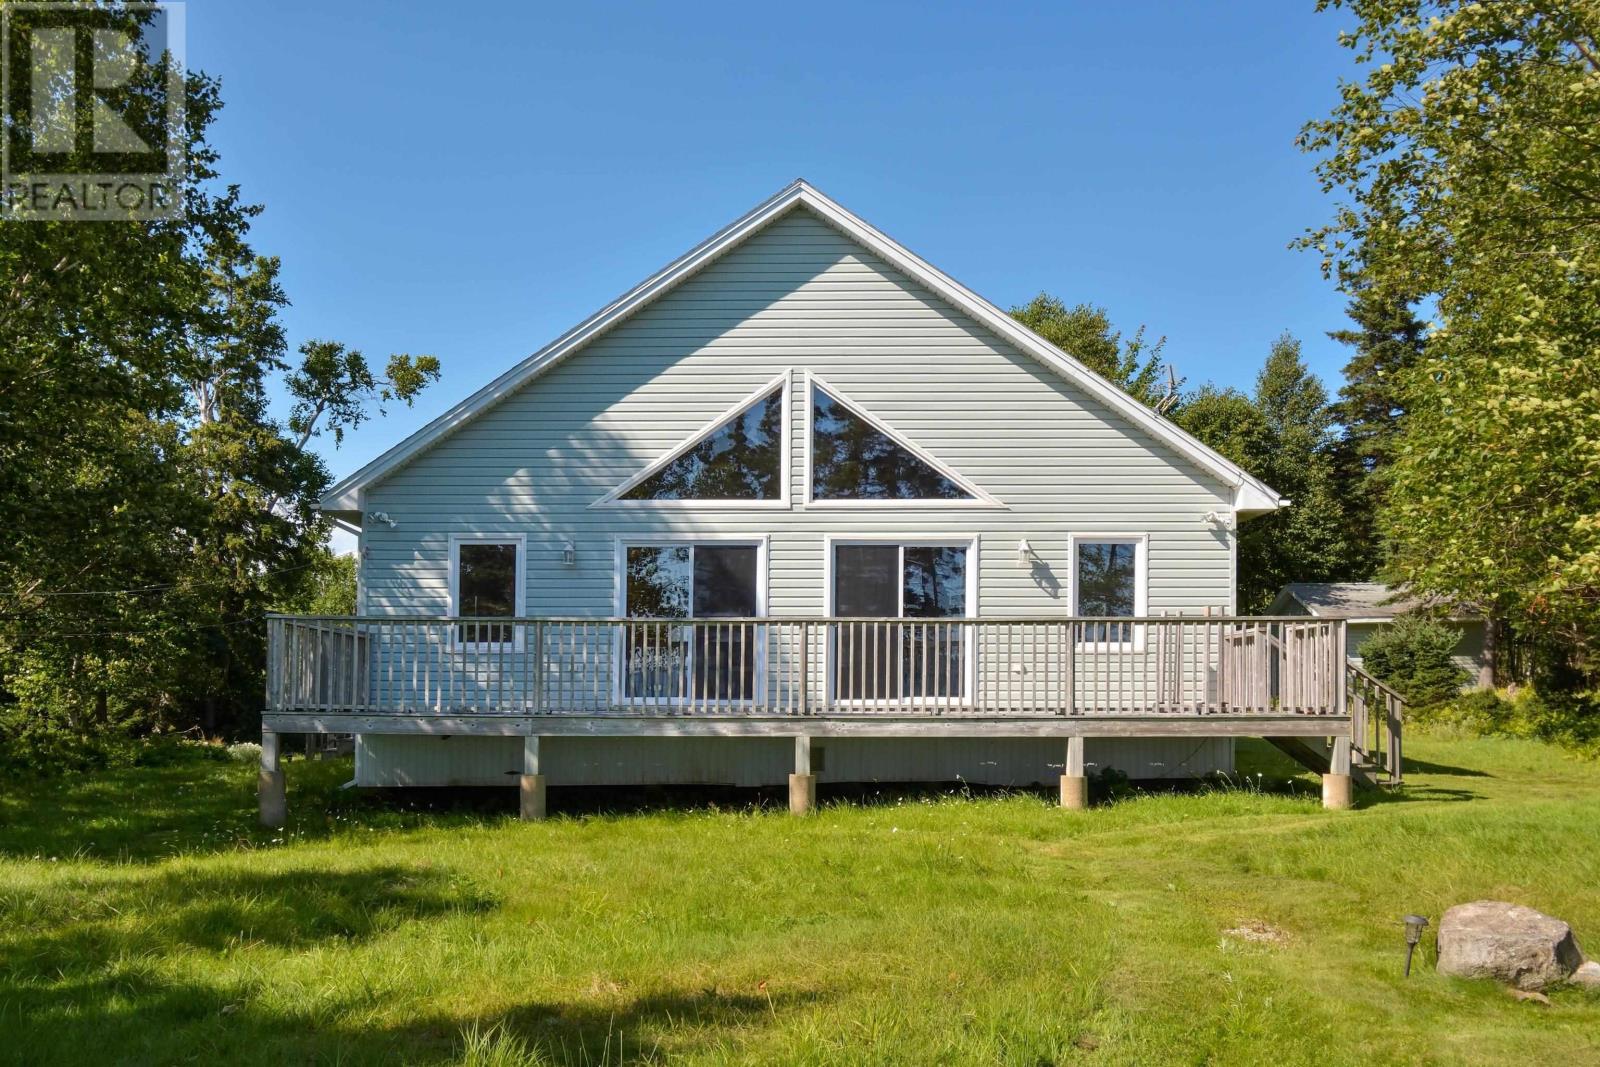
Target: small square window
486, 583
1107, 577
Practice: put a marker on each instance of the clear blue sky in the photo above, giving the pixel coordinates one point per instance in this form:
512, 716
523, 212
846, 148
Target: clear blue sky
469, 180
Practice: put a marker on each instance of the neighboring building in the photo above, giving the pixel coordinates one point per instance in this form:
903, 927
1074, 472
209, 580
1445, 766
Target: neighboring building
1367, 607
798, 486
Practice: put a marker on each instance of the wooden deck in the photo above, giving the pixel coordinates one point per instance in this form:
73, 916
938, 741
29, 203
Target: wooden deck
1284, 679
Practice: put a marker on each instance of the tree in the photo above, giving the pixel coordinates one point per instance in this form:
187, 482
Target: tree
155, 506
1233, 424
1085, 333
1389, 342
1467, 159
1414, 656
328, 589
1282, 435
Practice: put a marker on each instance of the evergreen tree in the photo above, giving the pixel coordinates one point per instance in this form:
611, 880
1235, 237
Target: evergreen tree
1389, 341
1281, 434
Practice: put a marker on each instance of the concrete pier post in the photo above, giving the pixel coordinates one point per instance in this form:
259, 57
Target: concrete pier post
1074, 783
802, 783
271, 793
1336, 783
532, 805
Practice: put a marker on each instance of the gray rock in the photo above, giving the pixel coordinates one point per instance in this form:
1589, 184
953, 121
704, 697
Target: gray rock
1507, 942
1587, 976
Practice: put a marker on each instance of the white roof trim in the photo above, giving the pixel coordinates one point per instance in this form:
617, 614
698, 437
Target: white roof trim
1251, 495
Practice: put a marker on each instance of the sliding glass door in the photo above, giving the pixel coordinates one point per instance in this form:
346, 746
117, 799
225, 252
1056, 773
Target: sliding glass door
921, 657
674, 661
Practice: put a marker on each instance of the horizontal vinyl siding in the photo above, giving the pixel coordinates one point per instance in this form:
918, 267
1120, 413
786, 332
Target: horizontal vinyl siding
490, 761
798, 297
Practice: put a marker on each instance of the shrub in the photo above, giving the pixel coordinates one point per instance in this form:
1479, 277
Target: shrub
1412, 656
1483, 712
1109, 783
44, 747
1568, 719
39, 747
244, 752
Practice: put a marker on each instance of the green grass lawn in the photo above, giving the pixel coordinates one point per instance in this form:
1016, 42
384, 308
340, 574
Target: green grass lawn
144, 919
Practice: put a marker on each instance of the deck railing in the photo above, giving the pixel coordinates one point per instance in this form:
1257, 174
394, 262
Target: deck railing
807, 666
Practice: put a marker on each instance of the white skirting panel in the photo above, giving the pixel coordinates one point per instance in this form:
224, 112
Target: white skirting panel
390, 760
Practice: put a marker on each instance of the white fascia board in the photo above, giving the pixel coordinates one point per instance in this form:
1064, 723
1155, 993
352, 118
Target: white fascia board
343, 495
1252, 497
1009, 328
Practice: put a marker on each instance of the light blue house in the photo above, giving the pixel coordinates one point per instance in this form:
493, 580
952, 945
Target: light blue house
799, 506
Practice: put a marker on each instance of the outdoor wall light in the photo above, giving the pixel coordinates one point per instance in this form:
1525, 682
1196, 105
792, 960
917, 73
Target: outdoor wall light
1414, 924
1220, 520
1024, 553
569, 553
383, 517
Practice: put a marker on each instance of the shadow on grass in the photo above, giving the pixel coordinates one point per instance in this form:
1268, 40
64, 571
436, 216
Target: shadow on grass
147, 1017
775, 798
88, 963
212, 910
1411, 794
646, 1030
198, 806
580, 801
1417, 766
145, 813
1268, 770
589, 801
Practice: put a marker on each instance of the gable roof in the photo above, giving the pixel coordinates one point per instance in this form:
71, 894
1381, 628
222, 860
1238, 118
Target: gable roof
1251, 495
1365, 601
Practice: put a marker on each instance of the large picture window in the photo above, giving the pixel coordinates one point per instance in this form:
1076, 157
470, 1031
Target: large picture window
740, 459
668, 661
855, 458
874, 661
486, 581
1108, 583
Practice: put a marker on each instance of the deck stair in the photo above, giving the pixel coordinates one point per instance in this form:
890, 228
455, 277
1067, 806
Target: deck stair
1317, 756
1377, 714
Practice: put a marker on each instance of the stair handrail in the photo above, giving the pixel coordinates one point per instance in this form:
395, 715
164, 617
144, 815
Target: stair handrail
1359, 684
1358, 672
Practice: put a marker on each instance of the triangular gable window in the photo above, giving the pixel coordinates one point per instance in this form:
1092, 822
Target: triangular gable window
739, 458
855, 457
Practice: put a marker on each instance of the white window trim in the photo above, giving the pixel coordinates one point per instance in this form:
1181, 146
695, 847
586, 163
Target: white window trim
619, 595
361, 570
970, 542
614, 499
521, 609
980, 497
1141, 584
